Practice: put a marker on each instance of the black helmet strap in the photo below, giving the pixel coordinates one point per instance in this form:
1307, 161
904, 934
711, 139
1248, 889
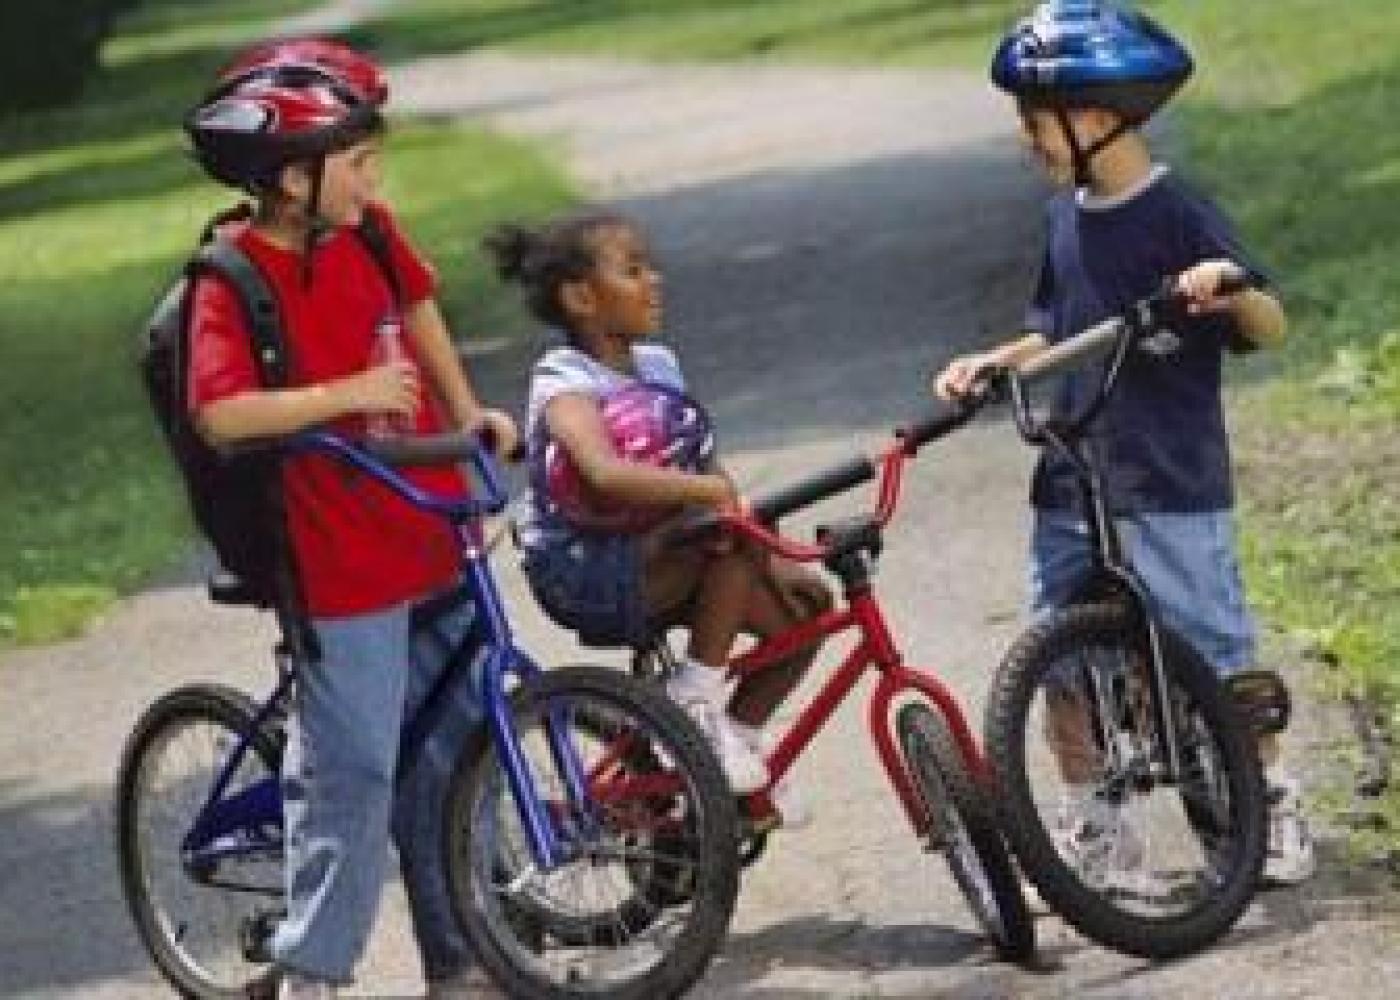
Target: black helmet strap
1084, 156
315, 225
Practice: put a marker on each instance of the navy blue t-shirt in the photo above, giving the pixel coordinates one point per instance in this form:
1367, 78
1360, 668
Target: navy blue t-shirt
1161, 438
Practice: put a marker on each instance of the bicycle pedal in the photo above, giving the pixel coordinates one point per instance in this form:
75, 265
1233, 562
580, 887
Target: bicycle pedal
758, 815
1262, 697
255, 935
936, 841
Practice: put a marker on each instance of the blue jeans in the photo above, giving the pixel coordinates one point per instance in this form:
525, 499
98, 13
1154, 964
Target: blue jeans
1187, 562
346, 788
591, 584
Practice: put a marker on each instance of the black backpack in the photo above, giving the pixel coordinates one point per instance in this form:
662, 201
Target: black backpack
235, 496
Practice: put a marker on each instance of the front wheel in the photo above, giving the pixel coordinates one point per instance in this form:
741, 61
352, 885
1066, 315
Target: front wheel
963, 827
643, 897
199, 900
1139, 860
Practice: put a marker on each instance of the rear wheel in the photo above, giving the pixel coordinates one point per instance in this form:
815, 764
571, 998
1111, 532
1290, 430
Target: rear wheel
202, 907
962, 826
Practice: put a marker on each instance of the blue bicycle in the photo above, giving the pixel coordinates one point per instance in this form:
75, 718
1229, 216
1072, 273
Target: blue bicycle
583, 785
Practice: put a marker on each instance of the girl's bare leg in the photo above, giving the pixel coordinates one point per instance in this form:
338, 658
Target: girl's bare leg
784, 595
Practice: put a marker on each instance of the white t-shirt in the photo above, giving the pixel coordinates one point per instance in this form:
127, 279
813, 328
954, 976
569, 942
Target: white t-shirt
567, 369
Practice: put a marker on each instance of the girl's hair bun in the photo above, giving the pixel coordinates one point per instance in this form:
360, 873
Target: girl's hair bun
511, 247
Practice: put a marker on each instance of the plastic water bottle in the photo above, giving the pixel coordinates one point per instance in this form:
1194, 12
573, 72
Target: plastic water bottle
386, 349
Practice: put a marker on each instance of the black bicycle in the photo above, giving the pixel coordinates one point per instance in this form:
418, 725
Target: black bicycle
1130, 785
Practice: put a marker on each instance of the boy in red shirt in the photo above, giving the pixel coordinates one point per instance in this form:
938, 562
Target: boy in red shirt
297, 125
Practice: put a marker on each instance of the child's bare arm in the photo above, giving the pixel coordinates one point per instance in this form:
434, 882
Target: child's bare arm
449, 381
265, 413
1260, 316
575, 422
961, 374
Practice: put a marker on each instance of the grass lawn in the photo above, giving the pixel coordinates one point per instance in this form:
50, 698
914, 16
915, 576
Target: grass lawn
98, 206
911, 32
1292, 127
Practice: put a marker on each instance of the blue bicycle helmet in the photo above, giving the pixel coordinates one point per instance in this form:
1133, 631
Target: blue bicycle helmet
1087, 54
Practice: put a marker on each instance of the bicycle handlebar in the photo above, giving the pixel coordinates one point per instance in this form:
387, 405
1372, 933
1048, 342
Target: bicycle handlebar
1143, 315
1112, 337
805, 492
758, 522
381, 458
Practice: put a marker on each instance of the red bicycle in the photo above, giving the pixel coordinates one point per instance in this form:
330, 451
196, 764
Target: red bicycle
930, 755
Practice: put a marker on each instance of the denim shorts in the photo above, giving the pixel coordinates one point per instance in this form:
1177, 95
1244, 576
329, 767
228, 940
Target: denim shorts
1187, 561
591, 584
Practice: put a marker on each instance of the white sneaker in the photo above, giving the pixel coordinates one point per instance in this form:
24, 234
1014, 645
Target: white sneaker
1101, 842
295, 987
745, 769
1290, 859
786, 796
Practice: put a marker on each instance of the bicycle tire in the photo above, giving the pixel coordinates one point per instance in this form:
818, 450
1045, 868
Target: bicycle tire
223, 710
1114, 625
508, 932
960, 818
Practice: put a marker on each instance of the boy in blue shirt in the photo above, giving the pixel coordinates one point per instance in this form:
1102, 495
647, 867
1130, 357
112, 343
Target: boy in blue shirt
1085, 76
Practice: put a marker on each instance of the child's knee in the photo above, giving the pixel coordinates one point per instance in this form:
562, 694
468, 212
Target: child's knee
814, 597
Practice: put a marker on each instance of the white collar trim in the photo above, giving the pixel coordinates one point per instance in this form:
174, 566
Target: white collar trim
1091, 202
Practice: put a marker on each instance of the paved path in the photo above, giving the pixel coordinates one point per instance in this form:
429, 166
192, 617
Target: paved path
827, 236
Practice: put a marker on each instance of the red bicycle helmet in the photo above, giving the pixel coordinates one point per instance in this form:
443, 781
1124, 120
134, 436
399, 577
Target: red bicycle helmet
283, 102
287, 57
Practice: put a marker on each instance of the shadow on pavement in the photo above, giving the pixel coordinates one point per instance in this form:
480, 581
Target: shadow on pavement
58, 856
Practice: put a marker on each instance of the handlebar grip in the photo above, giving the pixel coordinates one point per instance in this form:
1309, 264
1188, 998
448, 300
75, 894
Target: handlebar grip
940, 425
1242, 282
432, 449
1092, 343
829, 482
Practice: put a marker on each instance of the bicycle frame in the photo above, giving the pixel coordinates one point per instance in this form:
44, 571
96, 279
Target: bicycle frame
1112, 572
1111, 568
875, 651
250, 822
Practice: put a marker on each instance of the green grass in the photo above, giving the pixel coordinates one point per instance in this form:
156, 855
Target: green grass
909, 32
1292, 128
92, 228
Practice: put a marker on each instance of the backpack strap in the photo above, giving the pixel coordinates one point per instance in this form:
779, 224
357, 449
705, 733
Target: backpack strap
270, 355
376, 242
259, 304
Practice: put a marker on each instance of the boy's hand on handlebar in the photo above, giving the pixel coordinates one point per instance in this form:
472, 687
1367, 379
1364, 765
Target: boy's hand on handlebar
964, 377
1201, 286
388, 388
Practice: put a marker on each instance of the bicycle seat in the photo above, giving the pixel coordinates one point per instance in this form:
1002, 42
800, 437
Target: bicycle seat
861, 532
226, 588
653, 633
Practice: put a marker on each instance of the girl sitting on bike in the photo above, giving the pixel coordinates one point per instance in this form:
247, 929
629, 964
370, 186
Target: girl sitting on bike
592, 562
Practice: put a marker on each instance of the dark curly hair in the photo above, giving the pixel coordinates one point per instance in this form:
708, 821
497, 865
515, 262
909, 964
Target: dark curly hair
543, 258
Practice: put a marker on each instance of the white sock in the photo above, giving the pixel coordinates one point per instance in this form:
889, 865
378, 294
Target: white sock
752, 735
698, 680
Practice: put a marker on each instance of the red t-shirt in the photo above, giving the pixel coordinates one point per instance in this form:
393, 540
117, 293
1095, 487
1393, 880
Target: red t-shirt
358, 546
